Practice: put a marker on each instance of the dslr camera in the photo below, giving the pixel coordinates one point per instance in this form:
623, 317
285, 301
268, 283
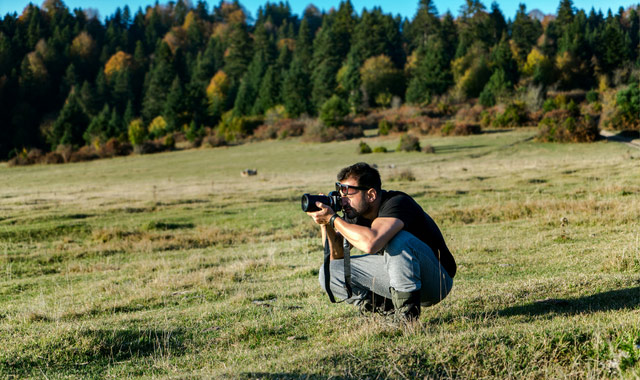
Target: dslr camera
332, 200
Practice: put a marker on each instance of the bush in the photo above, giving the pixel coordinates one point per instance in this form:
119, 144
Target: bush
333, 111
384, 127
235, 128
626, 115
466, 129
563, 126
364, 148
402, 175
409, 143
158, 127
513, 116
447, 128
137, 132
86, 153
593, 96
113, 148
429, 149
379, 149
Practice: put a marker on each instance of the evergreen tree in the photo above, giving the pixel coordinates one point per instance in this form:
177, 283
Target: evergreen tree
295, 90
70, 125
239, 52
156, 93
425, 24
98, 127
432, 76
525, 33
269, 91
174, 106
249, 86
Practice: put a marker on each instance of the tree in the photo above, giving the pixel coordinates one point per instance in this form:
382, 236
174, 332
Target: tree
379, 75
174, 106
70, 125
98, 127
295, 90
432, 76
525, 33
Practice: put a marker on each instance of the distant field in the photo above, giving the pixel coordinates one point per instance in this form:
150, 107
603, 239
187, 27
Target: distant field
174, 265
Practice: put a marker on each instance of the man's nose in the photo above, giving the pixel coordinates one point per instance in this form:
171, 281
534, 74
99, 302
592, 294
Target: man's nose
344, 200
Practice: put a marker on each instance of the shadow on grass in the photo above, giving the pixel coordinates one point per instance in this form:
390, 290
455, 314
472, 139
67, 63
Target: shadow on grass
613, 300
456, 148
282, 376
92, 351
619, 299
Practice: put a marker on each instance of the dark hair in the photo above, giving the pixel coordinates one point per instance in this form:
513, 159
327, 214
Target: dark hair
364, 174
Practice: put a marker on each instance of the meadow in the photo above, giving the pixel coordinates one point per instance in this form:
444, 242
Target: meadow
173, 265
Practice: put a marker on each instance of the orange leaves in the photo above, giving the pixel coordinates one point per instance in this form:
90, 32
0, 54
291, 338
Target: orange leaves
118, 62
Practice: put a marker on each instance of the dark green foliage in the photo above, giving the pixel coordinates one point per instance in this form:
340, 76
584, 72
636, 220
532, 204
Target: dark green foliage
384, 127
627, 113
563, 125
296, 91
515, 115
98, 128
364, 148
333, 111
432, 76
70, 125
496, 87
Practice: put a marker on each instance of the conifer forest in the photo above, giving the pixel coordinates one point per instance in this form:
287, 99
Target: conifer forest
146, 79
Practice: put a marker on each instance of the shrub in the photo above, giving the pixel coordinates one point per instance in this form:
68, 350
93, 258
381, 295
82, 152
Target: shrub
113, 148
137, 132
402, 175
383, 127
235, 128
86, 153
53, 158
626, 115
364, 148
429, 149
447, 128
563, 126
379, 149
593, 96
333, 111
158, 127
514, 115
466, 129
409, 143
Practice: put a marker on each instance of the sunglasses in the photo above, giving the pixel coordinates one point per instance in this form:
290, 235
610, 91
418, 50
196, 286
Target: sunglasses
344, 189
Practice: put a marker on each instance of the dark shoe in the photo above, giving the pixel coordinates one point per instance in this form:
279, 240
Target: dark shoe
375, 303
406, 304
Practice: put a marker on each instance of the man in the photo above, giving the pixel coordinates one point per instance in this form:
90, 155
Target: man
408, 260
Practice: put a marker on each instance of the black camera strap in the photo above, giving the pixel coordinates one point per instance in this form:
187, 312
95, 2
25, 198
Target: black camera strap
347, 269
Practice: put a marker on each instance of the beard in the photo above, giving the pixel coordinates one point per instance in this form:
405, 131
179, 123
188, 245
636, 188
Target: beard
359, 210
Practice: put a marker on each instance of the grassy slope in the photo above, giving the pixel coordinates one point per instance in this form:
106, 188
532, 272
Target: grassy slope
174, 264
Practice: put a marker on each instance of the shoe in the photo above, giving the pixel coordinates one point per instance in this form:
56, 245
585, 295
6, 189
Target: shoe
375, 303
406, 305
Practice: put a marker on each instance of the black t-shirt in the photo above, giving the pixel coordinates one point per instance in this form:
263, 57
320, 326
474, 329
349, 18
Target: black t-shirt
396, 204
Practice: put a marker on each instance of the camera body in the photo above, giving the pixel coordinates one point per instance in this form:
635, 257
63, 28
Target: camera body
332, 200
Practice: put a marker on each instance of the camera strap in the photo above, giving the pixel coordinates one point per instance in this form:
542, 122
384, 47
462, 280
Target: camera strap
347, 269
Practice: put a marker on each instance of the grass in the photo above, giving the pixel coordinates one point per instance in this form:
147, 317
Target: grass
174, 265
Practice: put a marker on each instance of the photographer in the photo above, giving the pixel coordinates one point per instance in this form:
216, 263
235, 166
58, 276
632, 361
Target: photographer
408, 261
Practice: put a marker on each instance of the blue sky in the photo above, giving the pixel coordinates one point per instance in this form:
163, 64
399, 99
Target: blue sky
402, 7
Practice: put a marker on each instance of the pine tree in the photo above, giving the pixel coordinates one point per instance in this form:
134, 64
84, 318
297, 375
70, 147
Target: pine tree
425, 23
249, 86
98, 127
432, 76
70, 125
174, 106
296, 91
239, 52
269, 91
156, 93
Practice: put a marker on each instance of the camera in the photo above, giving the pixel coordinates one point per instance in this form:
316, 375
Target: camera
332, 200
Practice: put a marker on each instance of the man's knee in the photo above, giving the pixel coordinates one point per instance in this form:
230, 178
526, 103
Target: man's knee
398, 243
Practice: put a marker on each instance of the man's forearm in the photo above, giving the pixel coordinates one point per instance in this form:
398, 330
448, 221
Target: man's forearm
335, 241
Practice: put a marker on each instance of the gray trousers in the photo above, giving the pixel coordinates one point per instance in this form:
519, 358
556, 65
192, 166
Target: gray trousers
407, 265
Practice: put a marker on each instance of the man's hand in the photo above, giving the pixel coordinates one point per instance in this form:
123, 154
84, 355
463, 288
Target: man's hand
323, 216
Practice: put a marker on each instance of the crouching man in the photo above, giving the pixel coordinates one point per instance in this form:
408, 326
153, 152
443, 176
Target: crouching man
407, 260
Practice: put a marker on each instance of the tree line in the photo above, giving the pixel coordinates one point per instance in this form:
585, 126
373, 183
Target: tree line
67, 78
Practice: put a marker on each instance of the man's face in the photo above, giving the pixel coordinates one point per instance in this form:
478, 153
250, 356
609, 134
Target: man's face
355, 202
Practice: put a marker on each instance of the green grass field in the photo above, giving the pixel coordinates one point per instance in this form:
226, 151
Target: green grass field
174, 265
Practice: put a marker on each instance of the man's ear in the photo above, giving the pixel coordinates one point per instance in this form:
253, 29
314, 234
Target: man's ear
372, 194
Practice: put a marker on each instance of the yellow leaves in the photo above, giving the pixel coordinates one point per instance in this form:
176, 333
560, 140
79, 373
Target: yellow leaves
118, 62
189, 20
83, 45
36, 65
290, 43
376, 67
158, 126
534, 59
218, 86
